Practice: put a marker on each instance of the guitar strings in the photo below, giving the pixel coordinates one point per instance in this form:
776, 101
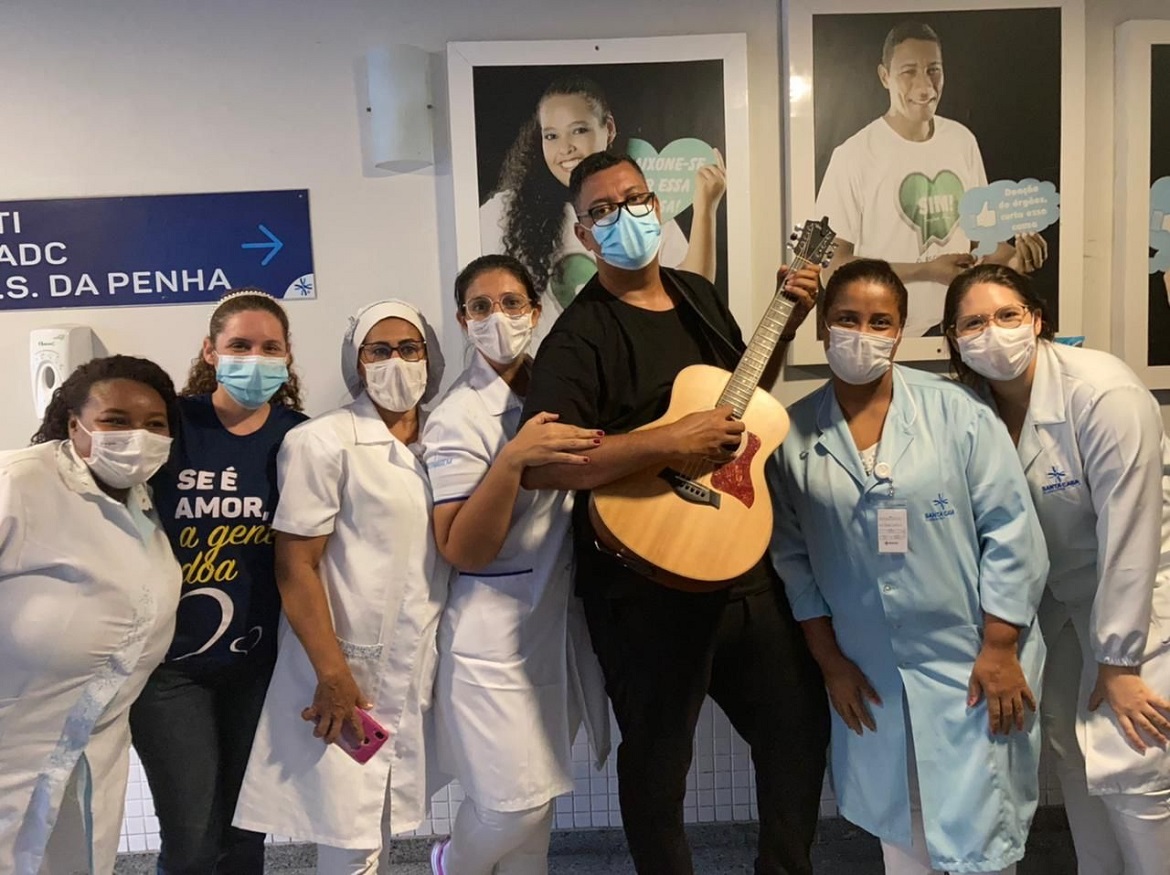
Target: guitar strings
734, 391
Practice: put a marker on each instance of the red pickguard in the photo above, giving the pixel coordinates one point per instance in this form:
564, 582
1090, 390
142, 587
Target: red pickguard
735, 478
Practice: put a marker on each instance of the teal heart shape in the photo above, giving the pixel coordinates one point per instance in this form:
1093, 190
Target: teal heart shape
931, 205
671, 172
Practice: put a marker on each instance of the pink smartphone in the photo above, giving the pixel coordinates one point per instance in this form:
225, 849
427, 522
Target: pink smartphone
375, 737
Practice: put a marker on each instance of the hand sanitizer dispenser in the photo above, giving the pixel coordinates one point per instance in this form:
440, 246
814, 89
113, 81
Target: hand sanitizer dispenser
54, 353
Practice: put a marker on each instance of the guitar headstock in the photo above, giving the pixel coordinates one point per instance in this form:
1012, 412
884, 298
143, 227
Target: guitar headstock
813, 243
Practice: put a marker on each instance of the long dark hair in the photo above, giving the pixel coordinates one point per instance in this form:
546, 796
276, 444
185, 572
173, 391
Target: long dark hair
201, 378
999, 275
535, 214
71, 395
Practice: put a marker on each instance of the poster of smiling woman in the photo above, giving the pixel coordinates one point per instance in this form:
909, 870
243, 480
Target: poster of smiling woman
1141, 259
524, 114
931, 140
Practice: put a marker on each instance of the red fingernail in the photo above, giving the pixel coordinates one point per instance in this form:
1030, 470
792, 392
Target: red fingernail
600, 433
597, 440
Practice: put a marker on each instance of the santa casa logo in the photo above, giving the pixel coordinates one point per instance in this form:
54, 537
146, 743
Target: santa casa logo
944, 509
1060, 481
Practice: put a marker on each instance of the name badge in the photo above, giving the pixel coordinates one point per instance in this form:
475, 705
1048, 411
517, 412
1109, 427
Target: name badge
893, 530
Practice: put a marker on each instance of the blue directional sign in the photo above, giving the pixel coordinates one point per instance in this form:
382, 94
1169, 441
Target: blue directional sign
158, 249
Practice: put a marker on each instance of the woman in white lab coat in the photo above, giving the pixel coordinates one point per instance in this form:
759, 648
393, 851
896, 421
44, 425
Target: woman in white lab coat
909, 549
516, 672
362, 587
88, 593
1090, 438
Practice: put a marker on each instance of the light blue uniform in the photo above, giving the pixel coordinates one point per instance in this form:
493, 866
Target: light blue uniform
913, 621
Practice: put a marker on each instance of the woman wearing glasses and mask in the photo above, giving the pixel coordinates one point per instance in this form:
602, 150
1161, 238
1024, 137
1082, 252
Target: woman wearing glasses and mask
907, 543
362, 587
516, 672
1090, 438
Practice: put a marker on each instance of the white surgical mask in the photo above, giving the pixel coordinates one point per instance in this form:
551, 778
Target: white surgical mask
396, 385
859, 357
501, 338
999, 353
122, 459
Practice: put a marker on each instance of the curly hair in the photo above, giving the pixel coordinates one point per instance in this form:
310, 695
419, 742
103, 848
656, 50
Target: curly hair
201, 378
995, 274
535, 212
72, 395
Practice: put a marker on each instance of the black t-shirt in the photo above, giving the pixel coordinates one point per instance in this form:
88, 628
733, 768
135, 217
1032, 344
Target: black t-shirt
216, 497
610, 365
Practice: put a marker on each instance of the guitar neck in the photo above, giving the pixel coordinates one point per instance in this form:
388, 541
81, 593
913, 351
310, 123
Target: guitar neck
750, 370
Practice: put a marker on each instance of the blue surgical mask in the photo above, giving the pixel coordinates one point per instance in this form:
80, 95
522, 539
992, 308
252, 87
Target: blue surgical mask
251, 379
631, 242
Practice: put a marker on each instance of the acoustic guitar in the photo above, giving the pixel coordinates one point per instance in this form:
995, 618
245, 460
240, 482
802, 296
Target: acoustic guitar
697, 526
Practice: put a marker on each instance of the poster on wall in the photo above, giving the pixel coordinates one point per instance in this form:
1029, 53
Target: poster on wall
524, 114
1142, 255
154, 249
930, 140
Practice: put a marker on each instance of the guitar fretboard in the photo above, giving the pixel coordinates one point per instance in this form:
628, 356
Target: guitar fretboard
750, 370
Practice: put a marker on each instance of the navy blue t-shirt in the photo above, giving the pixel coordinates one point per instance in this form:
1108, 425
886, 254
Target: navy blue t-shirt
216, 497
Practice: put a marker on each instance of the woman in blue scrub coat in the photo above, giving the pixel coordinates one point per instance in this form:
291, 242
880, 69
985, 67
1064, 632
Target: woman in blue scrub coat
914, 560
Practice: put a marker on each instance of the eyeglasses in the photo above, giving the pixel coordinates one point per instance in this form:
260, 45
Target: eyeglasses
1011, 316
408, 351
637, 205
511, 304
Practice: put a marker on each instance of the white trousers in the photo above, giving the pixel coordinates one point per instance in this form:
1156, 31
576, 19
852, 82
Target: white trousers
915, 860
1116, 834
501, 842
347, 861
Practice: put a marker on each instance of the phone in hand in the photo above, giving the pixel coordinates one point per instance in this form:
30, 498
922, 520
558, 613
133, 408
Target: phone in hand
358, 750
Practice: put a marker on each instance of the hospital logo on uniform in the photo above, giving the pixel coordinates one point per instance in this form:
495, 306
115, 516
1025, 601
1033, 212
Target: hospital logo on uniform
1060, 481
944, 509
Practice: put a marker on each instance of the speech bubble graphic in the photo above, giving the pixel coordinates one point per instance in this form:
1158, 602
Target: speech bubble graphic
671, 172
931, 205
1002, 209
1160, 224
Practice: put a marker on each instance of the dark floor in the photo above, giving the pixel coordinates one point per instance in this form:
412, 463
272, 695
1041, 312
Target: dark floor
719, 849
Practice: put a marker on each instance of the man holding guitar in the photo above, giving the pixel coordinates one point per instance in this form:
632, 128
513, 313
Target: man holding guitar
610, 362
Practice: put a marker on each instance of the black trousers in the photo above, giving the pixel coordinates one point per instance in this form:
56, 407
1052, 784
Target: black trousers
193, 734
662, 652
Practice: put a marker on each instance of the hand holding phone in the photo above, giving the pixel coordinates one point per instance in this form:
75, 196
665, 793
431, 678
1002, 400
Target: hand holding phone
360, 750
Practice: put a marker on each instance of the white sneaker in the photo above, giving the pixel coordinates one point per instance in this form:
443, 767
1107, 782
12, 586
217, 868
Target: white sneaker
438, 850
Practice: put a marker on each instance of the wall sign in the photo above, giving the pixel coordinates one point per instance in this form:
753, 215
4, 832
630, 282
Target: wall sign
158, 249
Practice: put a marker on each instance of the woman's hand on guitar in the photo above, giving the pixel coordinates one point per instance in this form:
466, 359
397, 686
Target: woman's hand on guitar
801, 286
707, 434
544, 441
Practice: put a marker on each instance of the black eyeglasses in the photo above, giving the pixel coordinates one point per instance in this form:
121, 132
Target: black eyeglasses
379, 351
637, 205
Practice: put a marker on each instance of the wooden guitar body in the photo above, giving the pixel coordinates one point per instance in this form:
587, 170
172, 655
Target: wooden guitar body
702, 524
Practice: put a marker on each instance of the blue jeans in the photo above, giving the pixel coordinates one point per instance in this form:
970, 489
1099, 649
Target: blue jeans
193, 734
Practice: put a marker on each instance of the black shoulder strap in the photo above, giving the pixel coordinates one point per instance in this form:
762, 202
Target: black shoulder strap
706, 307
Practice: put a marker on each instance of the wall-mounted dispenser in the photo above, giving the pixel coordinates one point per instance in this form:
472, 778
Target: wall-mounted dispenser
54, 353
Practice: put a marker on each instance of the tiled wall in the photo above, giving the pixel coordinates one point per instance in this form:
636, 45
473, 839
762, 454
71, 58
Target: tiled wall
720, 788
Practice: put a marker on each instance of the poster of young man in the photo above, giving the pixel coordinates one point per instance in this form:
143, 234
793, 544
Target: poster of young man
1141, 196
662, 101
936, 145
